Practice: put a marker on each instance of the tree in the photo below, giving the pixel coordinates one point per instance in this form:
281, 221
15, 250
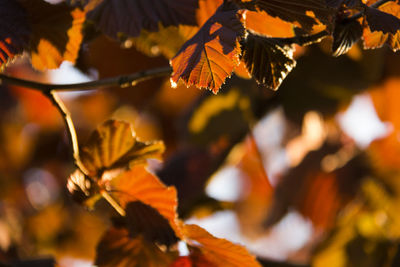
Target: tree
241, 51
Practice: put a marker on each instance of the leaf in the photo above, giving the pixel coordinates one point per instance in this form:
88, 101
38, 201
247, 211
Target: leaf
296, 11
263, 24
167, 41
114, 145
129, 17
345, 34
377, 39
220, 252
14, 30
56, 33
267, 60
211, 55
139, 184
381, 21
118, 249
142, 219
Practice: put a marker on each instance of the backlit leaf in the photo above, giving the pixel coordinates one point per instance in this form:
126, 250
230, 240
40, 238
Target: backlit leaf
138, 184
118, 249
381, 21
297, 11
264, 24
211, 55
56, 33
220, 252
267, 60
114, 145
375, 39
14, 30
129, 17
142, 219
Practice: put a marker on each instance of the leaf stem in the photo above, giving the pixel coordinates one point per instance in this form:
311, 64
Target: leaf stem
121, 81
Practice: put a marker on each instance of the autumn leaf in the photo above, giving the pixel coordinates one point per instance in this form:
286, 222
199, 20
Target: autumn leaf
263, 24
118, 249
219, 252
138, 184
115, 17
297, 11
142, 219
56, 33
267, 60
211, 55
14, 30
383, 27
114, 145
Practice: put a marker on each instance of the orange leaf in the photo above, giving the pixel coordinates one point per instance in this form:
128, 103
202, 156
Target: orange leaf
139, 184
211, 55
264, 24
218, 251
56, 33
376, 39
114, 145
118, 249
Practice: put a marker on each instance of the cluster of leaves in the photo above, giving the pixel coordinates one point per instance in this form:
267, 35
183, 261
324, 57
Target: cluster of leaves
217, 36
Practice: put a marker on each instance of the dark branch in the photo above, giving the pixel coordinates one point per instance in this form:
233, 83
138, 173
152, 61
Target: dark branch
121, 81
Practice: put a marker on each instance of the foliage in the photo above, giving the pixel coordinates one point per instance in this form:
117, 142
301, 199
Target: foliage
237, 49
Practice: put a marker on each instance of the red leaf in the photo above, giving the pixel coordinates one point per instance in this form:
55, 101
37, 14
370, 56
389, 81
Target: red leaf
211, 55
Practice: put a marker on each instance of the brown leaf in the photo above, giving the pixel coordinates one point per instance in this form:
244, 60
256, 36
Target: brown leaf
114, 145
267, 60
220, 252
211, 55
118, 249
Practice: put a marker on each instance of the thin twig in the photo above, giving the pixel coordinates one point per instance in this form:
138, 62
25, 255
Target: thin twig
121, 81
57, 102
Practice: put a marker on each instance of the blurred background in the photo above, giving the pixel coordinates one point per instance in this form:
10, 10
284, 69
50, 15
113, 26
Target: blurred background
307, 175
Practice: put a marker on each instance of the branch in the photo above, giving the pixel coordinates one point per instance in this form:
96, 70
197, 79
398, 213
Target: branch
121, 81
57, 102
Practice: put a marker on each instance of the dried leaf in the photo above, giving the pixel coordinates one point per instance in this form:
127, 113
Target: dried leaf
114, 145
267, 60
118, 249
220, 252
211, 55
